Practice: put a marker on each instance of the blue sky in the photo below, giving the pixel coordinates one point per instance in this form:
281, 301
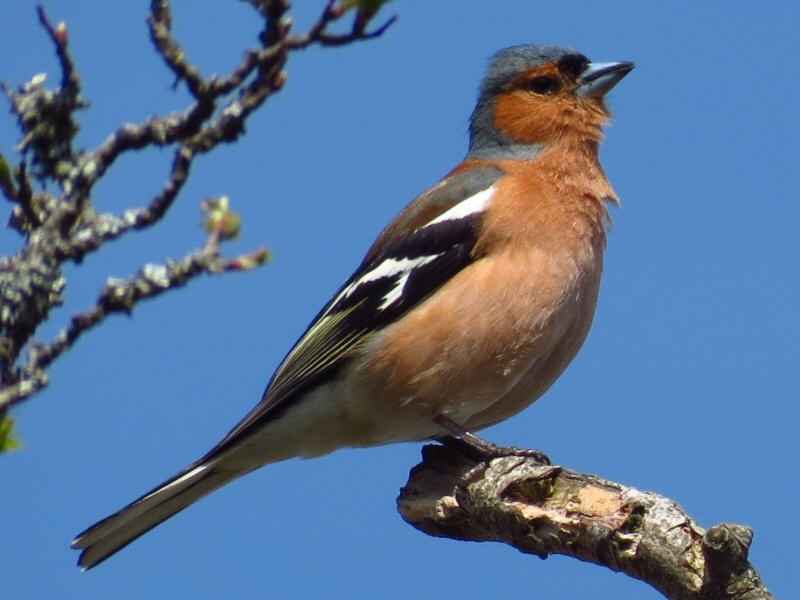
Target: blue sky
687, 385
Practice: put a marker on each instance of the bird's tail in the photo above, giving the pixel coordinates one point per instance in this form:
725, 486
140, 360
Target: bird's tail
112, 534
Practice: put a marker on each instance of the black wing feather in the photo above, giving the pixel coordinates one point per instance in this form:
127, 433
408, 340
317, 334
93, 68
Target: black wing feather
360, 308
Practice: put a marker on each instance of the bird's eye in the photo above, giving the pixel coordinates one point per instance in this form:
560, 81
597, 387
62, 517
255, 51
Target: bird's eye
544, 85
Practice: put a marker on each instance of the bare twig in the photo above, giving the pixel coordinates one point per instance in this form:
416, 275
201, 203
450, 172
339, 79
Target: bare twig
319, 34
326, 39
160, 23
70, 81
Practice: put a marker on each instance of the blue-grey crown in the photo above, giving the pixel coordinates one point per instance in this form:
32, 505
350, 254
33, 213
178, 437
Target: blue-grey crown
485, 140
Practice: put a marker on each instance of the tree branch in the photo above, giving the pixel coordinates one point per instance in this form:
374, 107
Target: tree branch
543, 509
70, 82
59, 222
122, 295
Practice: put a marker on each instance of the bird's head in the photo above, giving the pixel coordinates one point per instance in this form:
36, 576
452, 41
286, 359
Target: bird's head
533, 96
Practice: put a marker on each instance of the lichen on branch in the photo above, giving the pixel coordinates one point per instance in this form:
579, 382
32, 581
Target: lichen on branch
51, 184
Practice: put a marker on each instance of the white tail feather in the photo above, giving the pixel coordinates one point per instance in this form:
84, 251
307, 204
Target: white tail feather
113, 533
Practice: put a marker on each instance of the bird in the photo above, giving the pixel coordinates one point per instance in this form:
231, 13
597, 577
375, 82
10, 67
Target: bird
465, 310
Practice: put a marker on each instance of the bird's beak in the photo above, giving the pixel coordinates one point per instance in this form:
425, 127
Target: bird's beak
598, 78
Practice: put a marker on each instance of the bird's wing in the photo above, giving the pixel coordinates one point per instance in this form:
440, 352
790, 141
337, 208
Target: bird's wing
425, 246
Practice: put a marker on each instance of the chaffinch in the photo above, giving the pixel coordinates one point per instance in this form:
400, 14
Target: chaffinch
465, 310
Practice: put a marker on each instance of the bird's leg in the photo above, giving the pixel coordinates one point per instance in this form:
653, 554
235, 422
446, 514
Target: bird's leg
471, 445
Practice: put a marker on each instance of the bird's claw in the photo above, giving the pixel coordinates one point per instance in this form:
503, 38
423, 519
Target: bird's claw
481, 451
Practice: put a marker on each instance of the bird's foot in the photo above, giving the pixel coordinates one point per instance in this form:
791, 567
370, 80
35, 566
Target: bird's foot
480, 450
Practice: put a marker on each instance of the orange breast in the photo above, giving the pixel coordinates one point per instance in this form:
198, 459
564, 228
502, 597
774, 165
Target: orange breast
498, 334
